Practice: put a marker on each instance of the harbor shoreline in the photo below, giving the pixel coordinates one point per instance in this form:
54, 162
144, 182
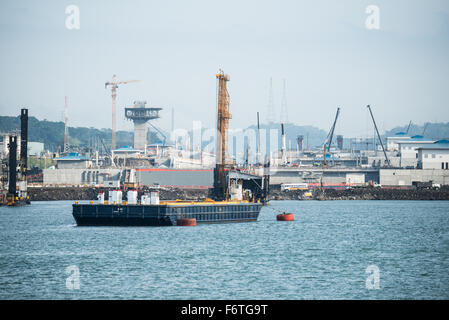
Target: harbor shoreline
89, 193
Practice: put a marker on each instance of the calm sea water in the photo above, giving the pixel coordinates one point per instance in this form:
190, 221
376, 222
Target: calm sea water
323, 254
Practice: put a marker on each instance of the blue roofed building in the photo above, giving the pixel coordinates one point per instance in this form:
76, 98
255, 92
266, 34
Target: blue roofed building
73, 160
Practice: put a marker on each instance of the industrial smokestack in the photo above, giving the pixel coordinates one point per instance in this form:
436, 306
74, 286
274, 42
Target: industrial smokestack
300, 140
340, 142
283, 137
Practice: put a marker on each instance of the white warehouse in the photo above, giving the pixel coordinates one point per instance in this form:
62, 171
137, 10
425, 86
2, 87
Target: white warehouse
408, 150
393, 142
434, 156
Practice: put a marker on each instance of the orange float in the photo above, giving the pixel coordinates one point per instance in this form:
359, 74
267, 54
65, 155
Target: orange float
186, 222
285, 217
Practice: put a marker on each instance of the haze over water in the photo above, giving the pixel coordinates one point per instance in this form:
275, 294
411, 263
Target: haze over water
323, 254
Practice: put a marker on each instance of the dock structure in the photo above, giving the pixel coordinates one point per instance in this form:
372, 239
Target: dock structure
12, 179
17, 170
324, 177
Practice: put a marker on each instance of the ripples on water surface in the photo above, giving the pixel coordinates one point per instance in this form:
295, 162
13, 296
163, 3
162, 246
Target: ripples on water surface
323, 254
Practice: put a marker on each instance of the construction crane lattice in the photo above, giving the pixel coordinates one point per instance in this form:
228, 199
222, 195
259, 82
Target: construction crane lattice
114, 85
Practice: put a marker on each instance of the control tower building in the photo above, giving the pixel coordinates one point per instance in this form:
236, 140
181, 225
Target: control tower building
140, 115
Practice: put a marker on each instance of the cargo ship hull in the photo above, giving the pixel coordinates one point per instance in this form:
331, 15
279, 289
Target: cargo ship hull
163, 214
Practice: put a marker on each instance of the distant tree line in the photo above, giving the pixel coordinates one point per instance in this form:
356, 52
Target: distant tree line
51, 133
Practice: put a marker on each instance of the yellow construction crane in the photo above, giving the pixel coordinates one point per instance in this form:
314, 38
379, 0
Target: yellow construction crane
114, 85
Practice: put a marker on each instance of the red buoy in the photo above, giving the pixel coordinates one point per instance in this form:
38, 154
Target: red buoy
285, 217
186, 222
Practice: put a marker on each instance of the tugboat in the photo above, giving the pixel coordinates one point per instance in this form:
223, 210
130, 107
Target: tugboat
237, 196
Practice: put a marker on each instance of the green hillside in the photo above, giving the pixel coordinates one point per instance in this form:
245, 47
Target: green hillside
52, 134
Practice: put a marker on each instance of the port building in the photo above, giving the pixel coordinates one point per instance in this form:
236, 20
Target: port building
408, 150
434, 156
80, 177
73, 160
393, 141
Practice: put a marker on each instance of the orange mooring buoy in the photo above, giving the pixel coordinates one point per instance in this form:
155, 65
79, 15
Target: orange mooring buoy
285, 217
186, 222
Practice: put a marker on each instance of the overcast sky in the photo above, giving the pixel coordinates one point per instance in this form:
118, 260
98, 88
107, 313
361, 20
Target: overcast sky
322, 48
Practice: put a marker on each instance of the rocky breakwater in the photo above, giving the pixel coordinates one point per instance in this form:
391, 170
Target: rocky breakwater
69, 193
83, 193
382, 194
277, 194
73, 193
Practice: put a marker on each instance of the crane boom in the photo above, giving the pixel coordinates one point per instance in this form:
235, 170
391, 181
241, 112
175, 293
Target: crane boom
331, 132
128, 81
425, 128
114, 85
163, 135
328, 141
408, 128
107, 150
378, 135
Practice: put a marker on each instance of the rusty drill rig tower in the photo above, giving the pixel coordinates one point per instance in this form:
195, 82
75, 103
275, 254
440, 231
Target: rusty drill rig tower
223, 116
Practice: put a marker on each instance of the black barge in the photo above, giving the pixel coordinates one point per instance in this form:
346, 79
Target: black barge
165, 213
